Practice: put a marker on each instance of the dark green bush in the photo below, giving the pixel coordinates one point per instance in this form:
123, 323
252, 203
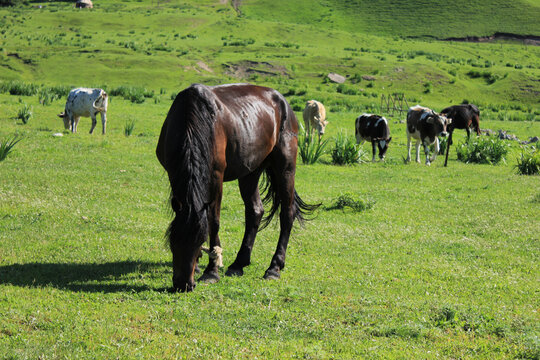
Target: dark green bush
482, 150
349, 200
345, 150
310, 148
529, 162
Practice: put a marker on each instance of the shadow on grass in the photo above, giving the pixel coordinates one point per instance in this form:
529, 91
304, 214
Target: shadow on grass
121, 276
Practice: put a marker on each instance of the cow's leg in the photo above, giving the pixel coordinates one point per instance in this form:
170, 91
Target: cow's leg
417, 151
94, 122
437, 148
468, 133
74, 123
103, 121
373, 150
408, 147
211, 274
448, 143
249, 189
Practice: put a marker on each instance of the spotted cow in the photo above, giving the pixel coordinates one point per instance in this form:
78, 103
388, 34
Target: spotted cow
85, 102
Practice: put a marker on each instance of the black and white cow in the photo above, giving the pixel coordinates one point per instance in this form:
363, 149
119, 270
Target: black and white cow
85, 102
425, 125
373, 128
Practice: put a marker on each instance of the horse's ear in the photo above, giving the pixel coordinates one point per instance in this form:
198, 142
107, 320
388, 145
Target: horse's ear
389, 139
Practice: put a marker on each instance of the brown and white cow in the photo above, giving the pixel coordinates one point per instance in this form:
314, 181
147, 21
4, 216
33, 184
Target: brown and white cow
315, 117
425, 125
85, 102
373, 128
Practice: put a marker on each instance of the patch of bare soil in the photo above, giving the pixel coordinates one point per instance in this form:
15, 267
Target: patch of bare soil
527, 39
244, 69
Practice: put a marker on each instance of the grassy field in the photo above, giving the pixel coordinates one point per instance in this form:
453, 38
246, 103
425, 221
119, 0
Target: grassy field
444, 265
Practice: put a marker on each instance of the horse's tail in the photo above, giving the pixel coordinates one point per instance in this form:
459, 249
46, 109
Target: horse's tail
302, 210
184, 149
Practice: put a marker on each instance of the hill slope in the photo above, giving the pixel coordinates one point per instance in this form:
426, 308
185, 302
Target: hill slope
440, 19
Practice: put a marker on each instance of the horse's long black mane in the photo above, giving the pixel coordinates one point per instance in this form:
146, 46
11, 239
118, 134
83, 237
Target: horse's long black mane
188, 156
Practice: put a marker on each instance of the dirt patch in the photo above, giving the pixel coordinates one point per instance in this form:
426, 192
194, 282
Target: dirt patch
18, 57
526, 39
204, 67
244, 69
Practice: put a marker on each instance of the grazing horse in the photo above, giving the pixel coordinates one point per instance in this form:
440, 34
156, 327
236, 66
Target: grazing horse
221, 133
463, 116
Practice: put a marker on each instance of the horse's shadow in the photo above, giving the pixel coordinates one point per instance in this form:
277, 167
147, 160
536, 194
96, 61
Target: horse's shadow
120, 276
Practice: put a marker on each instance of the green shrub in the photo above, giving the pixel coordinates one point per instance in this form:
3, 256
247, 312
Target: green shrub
310, 148
19, 88
351, 201
345, 151
25, 113
482, 150
6, 146
128, 127
529, 163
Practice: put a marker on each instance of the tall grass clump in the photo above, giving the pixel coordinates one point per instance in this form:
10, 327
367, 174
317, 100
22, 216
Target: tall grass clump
345, 151
19, 88
6, 146
349, 200
128, 127
482, 150
529, 163
311, 148
25, 113
132, 93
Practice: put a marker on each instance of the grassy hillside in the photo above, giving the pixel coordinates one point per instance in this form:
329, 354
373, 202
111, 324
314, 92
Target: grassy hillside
170, 46
440, 19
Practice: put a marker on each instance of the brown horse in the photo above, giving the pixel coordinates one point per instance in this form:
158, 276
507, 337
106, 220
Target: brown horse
223, 133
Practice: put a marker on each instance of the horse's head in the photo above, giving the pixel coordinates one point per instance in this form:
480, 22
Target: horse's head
184, 261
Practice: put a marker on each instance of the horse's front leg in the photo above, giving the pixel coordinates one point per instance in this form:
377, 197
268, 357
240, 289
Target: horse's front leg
249, 189
211, 273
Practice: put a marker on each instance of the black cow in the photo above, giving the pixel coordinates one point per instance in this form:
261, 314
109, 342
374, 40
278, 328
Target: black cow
463, 116
373, 128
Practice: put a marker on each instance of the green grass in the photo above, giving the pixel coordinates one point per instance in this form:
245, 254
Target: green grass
443, 265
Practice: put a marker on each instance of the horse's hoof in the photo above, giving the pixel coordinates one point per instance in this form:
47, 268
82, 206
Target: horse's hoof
234, 272
271, 275
209, 278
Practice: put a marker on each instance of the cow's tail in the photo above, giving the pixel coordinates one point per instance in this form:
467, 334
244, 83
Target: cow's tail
102, 98
476, 115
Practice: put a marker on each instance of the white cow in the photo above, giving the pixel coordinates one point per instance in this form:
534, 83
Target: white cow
85, 102
315, 117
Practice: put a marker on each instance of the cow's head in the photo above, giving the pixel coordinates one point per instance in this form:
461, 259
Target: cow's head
440, 123
382, 144
321, 126
65, 117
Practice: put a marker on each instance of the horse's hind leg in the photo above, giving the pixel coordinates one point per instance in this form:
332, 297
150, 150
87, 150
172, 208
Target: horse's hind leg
285, 188
249, 189
211, 274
